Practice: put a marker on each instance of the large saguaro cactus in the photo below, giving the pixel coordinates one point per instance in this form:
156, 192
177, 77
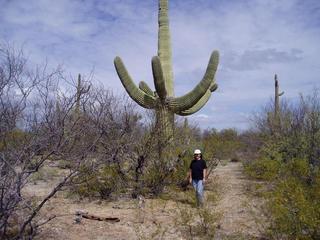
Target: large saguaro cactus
163, 100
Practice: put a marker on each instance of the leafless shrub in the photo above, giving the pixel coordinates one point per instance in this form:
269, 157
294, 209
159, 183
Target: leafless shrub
37, 127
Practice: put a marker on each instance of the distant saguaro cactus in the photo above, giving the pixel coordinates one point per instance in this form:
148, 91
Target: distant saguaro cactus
276, 97
78, 94
163, 100
81, 89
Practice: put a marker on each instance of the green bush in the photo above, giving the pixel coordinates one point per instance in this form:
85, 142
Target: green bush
221, 144
298, 168
100, 183
12, 139
290, 158
293, 202
208, 222
294, 213
263, 169
180, 174
197, 222
156, 177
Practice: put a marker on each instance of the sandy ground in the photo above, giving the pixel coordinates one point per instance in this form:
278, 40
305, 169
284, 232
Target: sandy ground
156, 218
240, 209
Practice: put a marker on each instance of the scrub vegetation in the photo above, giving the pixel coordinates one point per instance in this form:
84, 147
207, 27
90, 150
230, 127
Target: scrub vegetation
288, 160
66, 143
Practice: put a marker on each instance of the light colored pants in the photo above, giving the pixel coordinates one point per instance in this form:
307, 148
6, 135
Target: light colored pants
198, 187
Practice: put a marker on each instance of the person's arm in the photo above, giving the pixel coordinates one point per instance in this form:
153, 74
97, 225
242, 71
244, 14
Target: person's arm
204, 172
190, 176
204, 175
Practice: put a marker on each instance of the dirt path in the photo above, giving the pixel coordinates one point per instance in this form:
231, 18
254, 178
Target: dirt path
239, 207
157, 219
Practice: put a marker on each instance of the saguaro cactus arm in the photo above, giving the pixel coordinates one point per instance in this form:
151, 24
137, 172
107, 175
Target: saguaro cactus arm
159, 79
144, 87
277, 86
195, 108
164, 46
188, 100
143, 99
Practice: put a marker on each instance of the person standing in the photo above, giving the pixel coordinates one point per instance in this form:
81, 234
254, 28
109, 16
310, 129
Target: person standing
198, 175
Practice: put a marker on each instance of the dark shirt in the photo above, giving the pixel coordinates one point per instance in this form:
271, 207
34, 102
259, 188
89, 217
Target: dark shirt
197, 167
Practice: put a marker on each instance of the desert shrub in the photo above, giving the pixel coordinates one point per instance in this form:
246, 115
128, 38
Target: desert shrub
294, 212
109, 181
186, 197
64, 164
221, 144
155, 180
197, 222
292, 201
208, 222
97, 183
298, 168
289, 162
13, 139
179, 176
159, 174
44, 174
263, 169
184, 221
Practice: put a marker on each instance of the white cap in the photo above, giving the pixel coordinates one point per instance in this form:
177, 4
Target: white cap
197, 151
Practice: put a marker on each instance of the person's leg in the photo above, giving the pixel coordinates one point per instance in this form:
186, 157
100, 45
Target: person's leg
200, 192
195, 186
198, 187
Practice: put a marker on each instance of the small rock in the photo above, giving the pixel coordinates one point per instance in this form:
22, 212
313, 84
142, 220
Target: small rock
77, 219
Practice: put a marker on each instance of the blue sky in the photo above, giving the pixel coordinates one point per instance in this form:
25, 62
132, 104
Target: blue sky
255, 38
